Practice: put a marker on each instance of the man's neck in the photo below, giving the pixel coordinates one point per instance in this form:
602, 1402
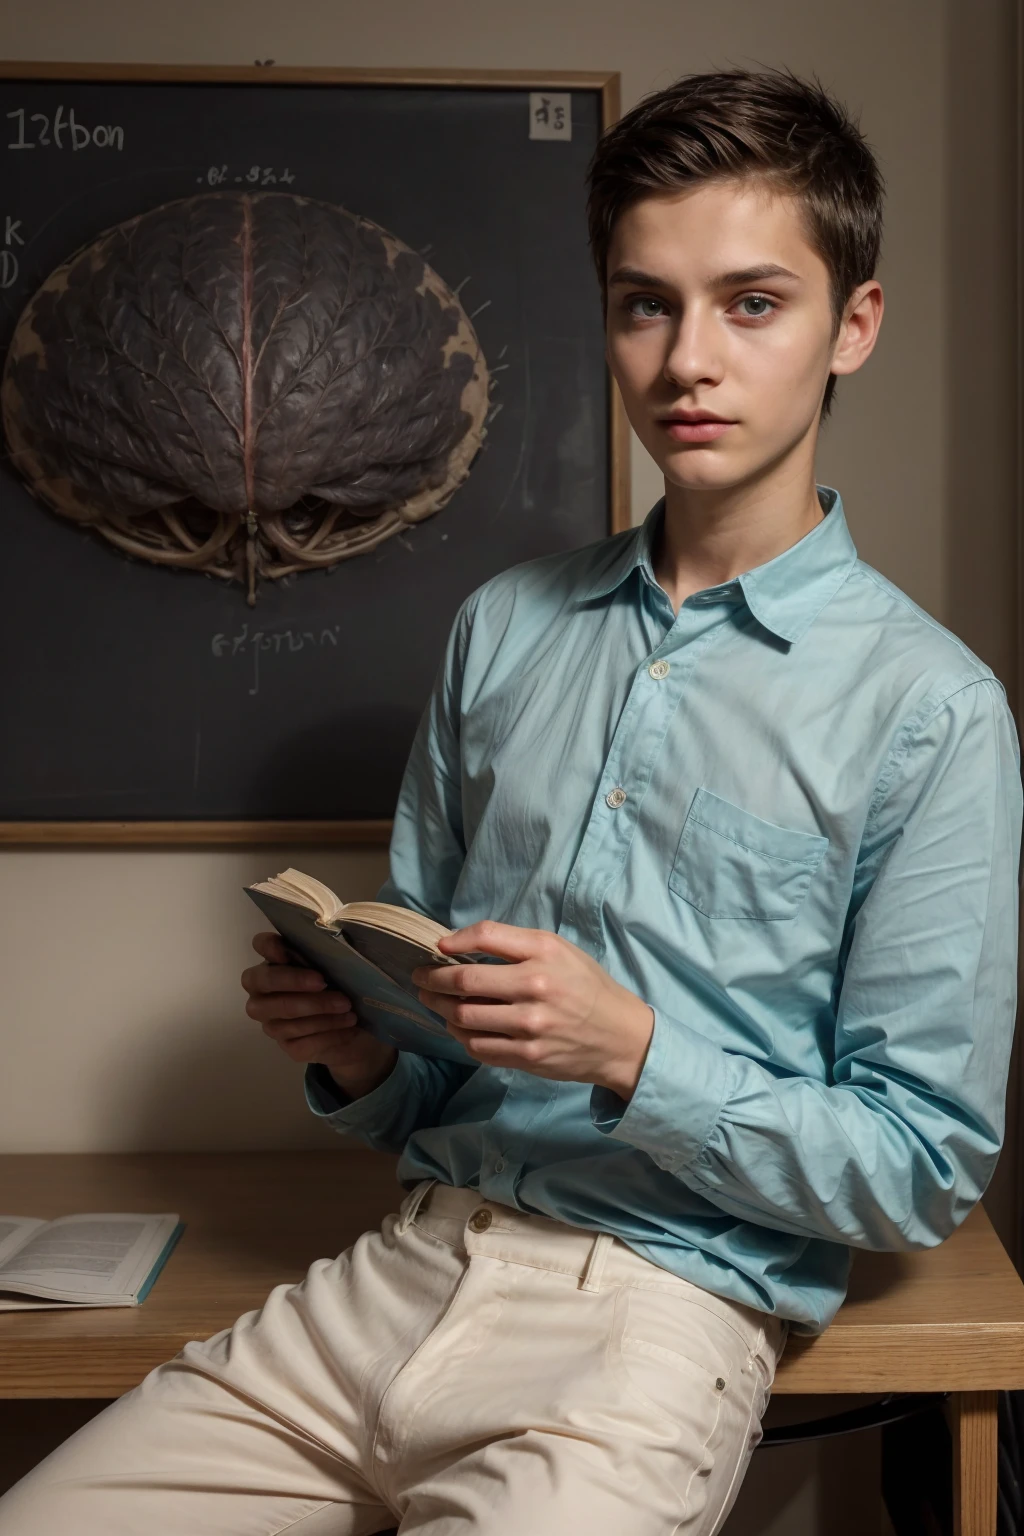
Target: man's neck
708, 538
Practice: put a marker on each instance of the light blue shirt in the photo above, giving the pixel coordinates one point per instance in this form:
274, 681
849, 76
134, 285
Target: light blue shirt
789, 819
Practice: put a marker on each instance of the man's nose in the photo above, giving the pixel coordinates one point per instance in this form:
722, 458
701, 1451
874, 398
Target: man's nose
694, 356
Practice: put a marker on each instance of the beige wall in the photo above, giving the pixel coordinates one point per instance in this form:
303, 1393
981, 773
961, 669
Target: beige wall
118, 971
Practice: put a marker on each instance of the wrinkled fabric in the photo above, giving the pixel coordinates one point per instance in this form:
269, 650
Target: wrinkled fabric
811, 877
401, 1382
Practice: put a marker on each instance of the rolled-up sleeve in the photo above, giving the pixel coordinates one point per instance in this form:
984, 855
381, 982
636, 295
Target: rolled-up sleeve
894, 1149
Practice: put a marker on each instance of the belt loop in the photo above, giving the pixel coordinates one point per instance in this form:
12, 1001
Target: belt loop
416, 1198
594, 1267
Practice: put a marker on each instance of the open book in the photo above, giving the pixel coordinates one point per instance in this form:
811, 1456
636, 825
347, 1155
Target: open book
368, 950
82, 1261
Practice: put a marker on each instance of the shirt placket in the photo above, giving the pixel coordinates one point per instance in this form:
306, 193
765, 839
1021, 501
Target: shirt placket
655, 695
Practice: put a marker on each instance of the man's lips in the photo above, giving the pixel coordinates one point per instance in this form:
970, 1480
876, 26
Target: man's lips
695, 428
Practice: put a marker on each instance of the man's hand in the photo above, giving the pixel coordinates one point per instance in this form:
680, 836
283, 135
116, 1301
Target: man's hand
311, 1023
553, 1011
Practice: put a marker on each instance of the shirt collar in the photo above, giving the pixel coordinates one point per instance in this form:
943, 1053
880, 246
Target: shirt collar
785, 595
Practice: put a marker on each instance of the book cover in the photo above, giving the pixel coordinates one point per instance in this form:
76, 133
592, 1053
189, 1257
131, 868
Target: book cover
386, 1004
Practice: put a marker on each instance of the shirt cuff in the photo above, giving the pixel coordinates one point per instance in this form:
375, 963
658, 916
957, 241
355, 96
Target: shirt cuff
327, 1099
677, 1100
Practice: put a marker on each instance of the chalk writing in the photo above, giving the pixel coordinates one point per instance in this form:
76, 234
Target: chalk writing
281, 642
37, 130
8, 255
253, 176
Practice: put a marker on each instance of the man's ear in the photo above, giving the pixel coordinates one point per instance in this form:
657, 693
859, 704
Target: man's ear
858, 330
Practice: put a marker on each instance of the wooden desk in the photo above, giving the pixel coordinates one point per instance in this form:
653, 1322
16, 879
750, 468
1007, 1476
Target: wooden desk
947, 1320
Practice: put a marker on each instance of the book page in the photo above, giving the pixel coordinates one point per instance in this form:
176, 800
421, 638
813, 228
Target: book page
96, 1255
10, 1302
397, 957
14, 1231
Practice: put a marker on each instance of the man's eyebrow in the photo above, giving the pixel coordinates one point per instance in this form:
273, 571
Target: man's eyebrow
635, 277
759, 274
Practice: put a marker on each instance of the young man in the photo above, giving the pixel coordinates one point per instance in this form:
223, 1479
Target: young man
746, 822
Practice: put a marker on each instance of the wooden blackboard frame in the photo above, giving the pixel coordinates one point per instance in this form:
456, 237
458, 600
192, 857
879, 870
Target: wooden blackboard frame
353, 834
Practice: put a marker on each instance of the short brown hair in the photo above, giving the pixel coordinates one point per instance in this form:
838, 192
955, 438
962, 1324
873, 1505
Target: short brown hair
770, 126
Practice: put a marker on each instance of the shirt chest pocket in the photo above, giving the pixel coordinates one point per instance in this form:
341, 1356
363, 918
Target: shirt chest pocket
731, 864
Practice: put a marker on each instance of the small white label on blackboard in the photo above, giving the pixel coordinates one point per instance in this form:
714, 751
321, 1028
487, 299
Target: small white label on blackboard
550, 115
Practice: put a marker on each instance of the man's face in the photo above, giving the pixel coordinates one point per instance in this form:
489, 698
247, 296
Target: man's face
718, 306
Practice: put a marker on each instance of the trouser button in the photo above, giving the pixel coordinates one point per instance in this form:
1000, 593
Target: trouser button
480, 1220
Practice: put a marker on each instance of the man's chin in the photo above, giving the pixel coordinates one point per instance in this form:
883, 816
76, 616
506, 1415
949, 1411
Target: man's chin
703, 471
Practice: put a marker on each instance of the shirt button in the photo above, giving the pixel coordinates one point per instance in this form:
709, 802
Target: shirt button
615, 797
658, 670
480, 1220
499, 1165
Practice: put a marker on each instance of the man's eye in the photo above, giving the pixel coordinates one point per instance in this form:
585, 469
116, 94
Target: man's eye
754, 305
645, 308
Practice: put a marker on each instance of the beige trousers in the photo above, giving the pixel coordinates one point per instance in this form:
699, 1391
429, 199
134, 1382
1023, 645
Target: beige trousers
466, 1369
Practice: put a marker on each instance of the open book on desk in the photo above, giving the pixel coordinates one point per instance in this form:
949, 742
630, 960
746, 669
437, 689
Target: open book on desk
368, 950
99, 1260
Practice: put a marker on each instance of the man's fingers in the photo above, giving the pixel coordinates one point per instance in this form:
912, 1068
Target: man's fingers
298, 1029
297, 1005
505, 940
507, 1019
501, 982
260, 979
272, 947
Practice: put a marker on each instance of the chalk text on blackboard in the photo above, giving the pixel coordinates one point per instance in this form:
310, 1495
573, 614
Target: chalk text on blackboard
279, 641
8, 256
253, 175
37, 130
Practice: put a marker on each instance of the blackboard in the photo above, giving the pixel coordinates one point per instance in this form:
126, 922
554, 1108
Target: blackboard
156, 704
